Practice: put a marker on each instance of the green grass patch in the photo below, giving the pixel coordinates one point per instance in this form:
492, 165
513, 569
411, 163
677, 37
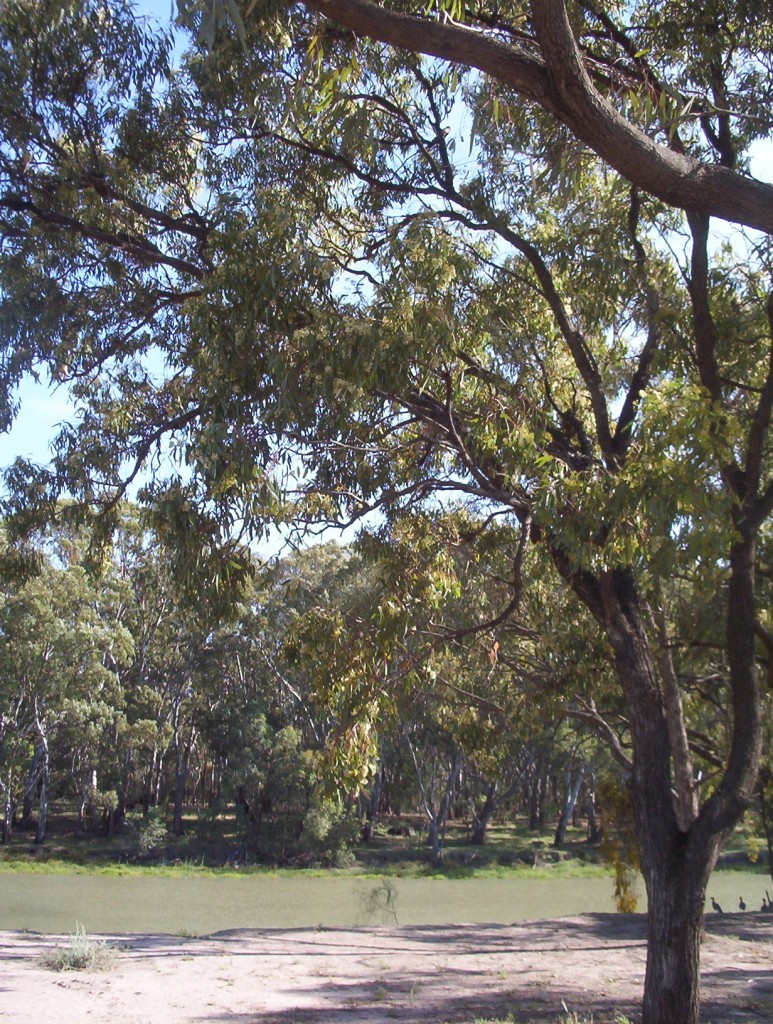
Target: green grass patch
210, 847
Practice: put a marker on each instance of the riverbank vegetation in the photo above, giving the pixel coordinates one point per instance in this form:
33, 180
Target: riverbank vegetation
172, 735
139, 731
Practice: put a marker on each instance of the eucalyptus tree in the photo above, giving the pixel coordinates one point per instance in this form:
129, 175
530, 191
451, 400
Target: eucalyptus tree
346, 257
186, 664
322, 584
61, 694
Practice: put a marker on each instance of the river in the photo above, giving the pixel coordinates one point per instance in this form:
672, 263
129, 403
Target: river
197, 905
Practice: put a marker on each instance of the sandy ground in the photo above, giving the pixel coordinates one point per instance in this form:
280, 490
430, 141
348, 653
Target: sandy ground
593, 964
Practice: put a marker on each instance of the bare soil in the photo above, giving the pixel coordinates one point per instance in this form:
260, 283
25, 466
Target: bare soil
592, 965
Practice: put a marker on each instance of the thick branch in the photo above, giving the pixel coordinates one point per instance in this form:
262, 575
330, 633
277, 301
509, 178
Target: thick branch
562, 87
755, 446
641, 376
674, 177
685, 792
703, 321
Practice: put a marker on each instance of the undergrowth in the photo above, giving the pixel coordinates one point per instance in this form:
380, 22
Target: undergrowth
82, 953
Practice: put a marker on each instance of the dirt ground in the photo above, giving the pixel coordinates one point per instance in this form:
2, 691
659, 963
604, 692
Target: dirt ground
592, 965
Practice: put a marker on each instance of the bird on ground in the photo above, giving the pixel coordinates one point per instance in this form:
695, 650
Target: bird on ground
741, 904
716, 906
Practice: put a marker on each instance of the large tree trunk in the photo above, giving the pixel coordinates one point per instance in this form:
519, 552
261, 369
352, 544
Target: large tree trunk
676, 892
678, 855
672, 935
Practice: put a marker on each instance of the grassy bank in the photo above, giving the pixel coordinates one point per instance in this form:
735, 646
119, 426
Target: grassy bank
398, 848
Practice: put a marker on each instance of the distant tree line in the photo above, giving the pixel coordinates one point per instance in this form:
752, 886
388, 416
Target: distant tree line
117, 695
340, 688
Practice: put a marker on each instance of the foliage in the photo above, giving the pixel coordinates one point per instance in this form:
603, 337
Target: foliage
380, 903
151, 833
618, 845
330, 832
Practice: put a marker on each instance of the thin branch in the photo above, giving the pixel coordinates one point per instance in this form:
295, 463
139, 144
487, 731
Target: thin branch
591, 716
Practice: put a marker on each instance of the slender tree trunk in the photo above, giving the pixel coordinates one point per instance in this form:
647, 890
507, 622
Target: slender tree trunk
149, 786
7, 810
159, 790
40, 834
436, 816
480, 821
537, 791
40, 729
374, 803
7, 821
181, 762
30, 784
570, 802
594, 832
438, 822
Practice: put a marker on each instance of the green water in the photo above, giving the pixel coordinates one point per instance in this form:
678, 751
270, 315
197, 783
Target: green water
199, 906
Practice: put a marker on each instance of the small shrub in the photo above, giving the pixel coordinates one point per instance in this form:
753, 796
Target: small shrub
151, 833
81, 954
570, 1017
329, 833
379, 903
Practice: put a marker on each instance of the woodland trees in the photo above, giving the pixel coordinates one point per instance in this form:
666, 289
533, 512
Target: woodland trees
63, 650
346, 259
115, 700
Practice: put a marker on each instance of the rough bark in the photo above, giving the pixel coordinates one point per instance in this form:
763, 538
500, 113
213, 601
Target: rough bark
675, 893
677, 861
673, 934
